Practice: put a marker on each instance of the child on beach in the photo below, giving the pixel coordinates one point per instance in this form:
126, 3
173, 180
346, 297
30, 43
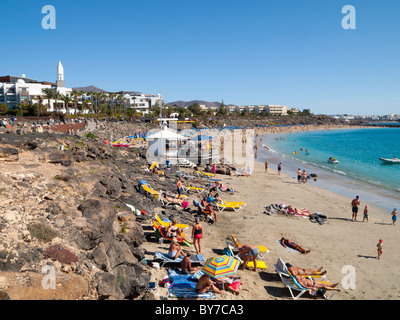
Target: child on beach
394, 216
380, 248
365, 213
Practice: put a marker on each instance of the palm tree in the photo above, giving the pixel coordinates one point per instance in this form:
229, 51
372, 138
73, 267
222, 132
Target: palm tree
56, 96
75, 94
48, 94
66, 98
111, 97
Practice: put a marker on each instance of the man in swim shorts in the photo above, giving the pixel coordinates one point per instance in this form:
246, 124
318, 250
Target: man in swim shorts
354, 204
248, 252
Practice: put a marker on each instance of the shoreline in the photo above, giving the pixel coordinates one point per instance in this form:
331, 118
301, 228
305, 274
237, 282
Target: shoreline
338, 243
379, 196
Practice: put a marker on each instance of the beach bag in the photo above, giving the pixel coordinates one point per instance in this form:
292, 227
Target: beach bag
321, 292
227, 252
196, 203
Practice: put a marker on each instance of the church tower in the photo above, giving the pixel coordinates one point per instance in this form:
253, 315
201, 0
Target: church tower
60, 75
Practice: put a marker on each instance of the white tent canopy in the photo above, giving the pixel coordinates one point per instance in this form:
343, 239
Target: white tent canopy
167, 135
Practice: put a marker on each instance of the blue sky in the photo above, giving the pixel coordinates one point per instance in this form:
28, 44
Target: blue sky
292, 52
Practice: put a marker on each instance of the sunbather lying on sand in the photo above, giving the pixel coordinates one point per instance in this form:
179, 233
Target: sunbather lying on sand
223, 188
171, 198
291, 244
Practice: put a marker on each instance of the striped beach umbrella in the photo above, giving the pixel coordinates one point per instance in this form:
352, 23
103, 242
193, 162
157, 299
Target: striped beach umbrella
221, 266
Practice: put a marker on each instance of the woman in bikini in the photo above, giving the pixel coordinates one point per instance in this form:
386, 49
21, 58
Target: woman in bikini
197, 234
174, 232
291, 244
296, 271
175, 249
312, 284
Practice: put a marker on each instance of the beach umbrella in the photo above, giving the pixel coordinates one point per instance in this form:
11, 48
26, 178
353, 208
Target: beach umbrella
221, 266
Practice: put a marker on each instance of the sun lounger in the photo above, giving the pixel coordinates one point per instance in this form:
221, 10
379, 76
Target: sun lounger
222, 207
166, 200
207, 176
149, 191
166, 224
292, 284
240, 203
281, 268
160, 234
199, 173
165, 260
263, 249
189, 188
250, 264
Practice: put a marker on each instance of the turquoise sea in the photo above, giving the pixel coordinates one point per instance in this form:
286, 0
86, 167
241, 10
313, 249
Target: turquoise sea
358, 152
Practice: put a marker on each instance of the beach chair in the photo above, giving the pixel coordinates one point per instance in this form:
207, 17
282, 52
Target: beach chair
149, 191
160, 234
155, 164
281, 268
222, 207
293, 286
207, 176
239, 203
171, 200
250, 264
189, 188
166, 224
263, 249
199, 173
165, 260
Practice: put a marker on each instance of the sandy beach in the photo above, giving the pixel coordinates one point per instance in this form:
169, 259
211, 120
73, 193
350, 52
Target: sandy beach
339, 245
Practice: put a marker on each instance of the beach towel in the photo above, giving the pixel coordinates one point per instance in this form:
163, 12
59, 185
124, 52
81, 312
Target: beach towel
188, 290
184, 286
288, 248
302, 213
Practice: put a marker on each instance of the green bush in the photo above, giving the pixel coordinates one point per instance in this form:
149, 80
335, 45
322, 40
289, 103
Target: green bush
61, 254
90, 135
41, 232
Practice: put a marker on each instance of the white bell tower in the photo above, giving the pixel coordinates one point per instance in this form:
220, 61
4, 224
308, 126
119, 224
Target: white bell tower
60, 75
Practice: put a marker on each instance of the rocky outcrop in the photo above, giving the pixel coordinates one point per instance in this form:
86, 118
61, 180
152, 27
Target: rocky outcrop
9, 154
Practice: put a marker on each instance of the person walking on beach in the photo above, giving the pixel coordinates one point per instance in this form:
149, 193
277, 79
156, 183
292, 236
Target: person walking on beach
279, 168
380, 248
365, 214
197, 234
394, 216
304, 176
299, 175
266, 165
354, 204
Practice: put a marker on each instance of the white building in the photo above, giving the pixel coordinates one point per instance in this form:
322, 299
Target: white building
15, 90
278, 110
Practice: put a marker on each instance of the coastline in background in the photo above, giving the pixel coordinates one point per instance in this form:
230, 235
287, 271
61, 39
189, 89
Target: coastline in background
331, 178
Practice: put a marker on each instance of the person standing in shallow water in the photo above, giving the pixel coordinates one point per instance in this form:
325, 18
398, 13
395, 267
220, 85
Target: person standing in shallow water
354, 208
